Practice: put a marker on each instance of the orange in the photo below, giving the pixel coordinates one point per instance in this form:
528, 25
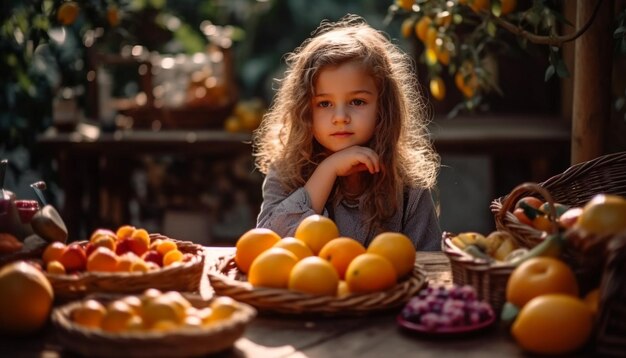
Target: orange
102, 260
553, 324
163, 308
407, 27
370, 273
172, 257
397, 248
105, 241
89, 313
539, 276
421, 29
124, 231
592, 299
102, 233
26, 298
113, 15
55, 267
221, 308
437, 87
125, 262
117, 317
603, 215
68, 12
508, 6
166, 246
316, 231
466, 80
272, 268
405, 4
251, 244
53, 252
298, 247
314, 275
340, 252
342, 289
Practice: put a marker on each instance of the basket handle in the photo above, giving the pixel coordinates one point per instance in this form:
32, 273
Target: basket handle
522, 190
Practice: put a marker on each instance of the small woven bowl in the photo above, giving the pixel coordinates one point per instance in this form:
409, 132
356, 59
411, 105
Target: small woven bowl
178, 343
488, 279
184, 277
227, 280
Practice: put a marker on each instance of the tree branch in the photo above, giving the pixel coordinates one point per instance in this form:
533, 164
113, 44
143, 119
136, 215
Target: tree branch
545, 40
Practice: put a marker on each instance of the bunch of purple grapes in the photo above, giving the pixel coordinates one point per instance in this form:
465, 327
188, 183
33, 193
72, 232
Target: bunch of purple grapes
443, 307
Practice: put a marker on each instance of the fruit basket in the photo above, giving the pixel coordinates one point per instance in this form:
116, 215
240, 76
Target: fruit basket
610, 330
183, 342
488, 279
574, 187
227, 280
183, 277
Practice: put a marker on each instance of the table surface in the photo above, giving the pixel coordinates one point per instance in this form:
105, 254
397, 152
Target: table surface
297, 336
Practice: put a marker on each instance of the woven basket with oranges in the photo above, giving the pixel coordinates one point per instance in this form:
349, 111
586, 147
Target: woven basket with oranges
316, 271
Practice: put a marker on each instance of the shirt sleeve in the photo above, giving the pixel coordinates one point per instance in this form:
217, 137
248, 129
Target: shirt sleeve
421, 222
282, 211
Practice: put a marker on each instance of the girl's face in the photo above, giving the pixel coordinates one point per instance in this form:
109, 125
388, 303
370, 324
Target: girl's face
344, 103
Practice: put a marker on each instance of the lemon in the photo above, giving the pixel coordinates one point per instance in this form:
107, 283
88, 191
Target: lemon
604, 214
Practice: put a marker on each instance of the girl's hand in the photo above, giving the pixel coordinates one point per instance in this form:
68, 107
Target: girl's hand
352, 160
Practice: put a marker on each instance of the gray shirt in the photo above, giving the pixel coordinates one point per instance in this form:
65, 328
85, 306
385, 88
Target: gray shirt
282, 212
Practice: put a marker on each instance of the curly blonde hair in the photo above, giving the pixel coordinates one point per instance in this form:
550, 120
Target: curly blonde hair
284, 140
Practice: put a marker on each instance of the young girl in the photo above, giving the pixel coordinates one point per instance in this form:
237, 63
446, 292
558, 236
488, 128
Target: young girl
346, 137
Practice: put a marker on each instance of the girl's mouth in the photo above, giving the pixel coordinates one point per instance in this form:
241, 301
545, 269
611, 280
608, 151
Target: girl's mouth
341, 134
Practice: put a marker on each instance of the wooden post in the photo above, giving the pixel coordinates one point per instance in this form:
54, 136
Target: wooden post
592, 82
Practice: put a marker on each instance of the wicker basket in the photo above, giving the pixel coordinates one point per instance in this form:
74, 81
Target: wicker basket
574, 187
182, 343
488, 279
610, 332
227, 280
185, 277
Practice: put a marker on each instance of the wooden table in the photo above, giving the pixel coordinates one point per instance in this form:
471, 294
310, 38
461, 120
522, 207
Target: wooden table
287, 336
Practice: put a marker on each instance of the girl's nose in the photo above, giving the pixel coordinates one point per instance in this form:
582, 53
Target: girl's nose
340, 116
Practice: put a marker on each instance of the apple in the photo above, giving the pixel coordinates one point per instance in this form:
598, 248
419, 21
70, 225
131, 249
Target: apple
123, 246
153, 256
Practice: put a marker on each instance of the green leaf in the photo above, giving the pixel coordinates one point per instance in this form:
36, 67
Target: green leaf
496, 7
549, 73
492, 28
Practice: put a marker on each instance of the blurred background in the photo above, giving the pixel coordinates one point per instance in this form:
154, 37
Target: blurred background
141, 111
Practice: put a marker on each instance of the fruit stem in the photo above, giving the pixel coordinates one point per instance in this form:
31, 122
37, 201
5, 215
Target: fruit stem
39, 187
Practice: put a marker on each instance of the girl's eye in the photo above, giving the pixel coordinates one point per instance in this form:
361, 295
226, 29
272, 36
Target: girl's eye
357, 102
323, 104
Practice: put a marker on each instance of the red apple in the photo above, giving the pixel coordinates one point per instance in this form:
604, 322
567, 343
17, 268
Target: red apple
123, 246
153, 256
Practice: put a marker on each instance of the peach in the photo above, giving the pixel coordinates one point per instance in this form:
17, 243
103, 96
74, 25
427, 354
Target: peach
73, 258
123, 246
102, 232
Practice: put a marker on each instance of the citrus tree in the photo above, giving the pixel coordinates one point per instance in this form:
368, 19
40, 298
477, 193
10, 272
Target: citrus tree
461, 39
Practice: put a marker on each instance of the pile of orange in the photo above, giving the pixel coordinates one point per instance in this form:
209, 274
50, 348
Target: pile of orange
553, 319
151, 311
318, 261
127, 250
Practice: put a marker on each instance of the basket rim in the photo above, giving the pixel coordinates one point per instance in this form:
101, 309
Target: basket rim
474, 263
293, 302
